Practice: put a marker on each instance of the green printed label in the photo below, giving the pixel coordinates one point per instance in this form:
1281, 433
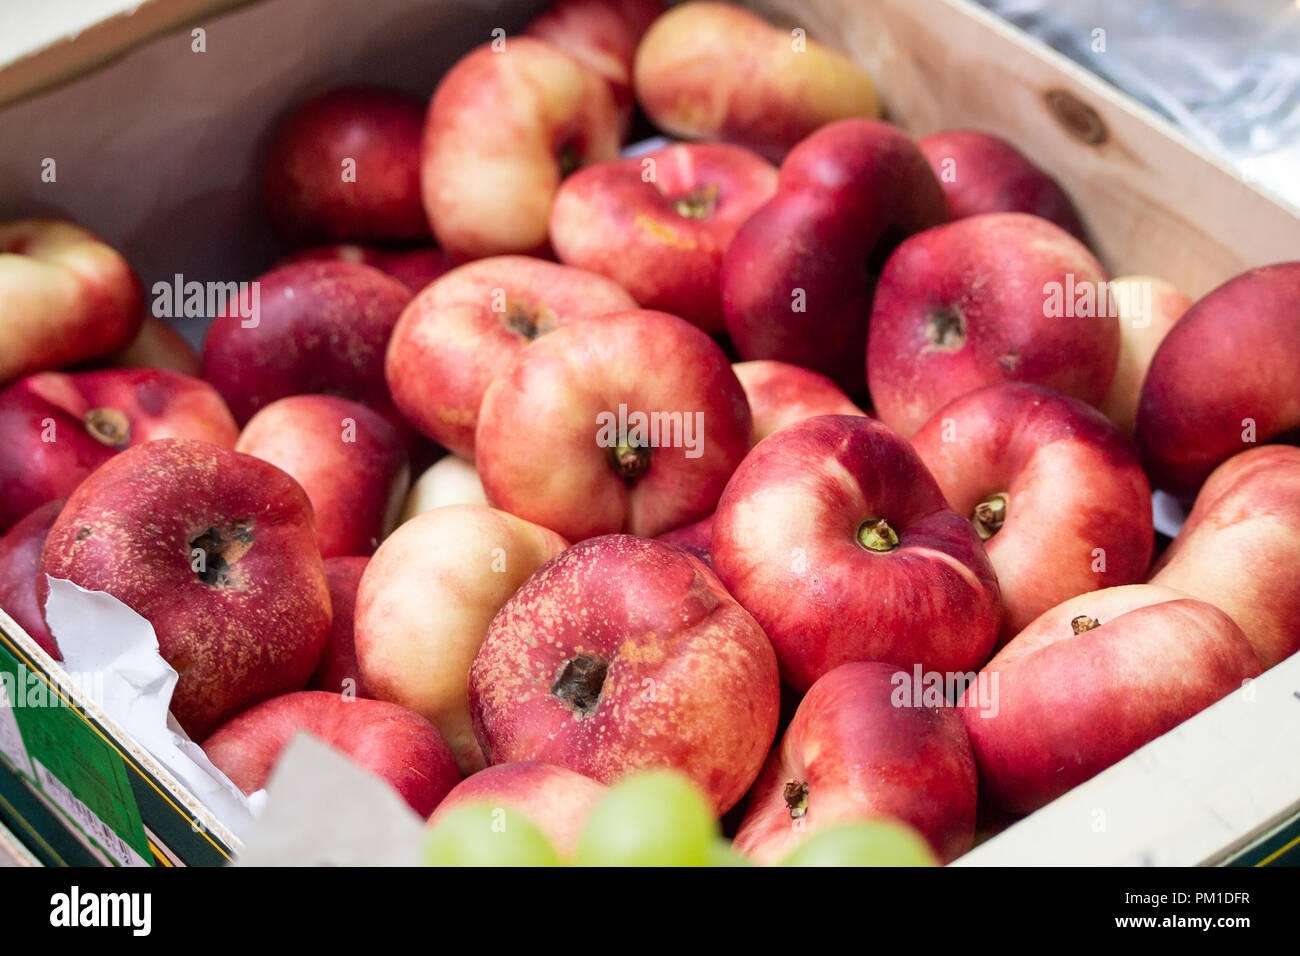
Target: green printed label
47, 741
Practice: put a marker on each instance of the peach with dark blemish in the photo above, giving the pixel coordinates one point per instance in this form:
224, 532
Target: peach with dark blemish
623, 654
217, 551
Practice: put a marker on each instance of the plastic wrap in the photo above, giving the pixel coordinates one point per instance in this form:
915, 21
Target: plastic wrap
1226, 71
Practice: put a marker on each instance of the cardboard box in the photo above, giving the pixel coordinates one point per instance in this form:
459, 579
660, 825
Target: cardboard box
157, 119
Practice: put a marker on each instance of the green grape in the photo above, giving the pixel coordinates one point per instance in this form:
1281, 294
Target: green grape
479, 834
655, 818
722, 854
866, 843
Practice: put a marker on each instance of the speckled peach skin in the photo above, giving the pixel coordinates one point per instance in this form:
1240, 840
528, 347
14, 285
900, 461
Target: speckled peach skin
401, 748
67, 295
1070, 705
658, 225
57, 428
986, 278
557, 800
498, 127
425, 603
1078, 506
785, 543
351, 462
250, 625
463, 331
689, 680
1193, 415
323, 328
1240, 547
860, 755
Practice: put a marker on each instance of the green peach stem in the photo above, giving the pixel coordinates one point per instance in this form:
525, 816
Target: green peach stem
989, 516
698, 203
875, 534
630, 461
109, 426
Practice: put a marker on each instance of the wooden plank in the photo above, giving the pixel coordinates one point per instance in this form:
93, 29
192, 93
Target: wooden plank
1154, 201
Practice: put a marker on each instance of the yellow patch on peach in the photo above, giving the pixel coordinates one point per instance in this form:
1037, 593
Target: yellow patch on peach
665, 234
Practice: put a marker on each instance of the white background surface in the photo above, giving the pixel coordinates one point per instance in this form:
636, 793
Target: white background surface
31, 24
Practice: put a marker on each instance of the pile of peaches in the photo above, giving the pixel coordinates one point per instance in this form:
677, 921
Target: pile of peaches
799, 457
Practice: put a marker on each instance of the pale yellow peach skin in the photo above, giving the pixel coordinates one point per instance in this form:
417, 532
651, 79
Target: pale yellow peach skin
503, 129
424, 606
451, 480
67, 297
715, 71
158, 345
1147, 308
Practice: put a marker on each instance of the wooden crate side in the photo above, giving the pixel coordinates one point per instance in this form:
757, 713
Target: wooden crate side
1154, 201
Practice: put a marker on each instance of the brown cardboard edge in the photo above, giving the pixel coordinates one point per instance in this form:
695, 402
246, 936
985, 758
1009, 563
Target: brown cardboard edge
77, 55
